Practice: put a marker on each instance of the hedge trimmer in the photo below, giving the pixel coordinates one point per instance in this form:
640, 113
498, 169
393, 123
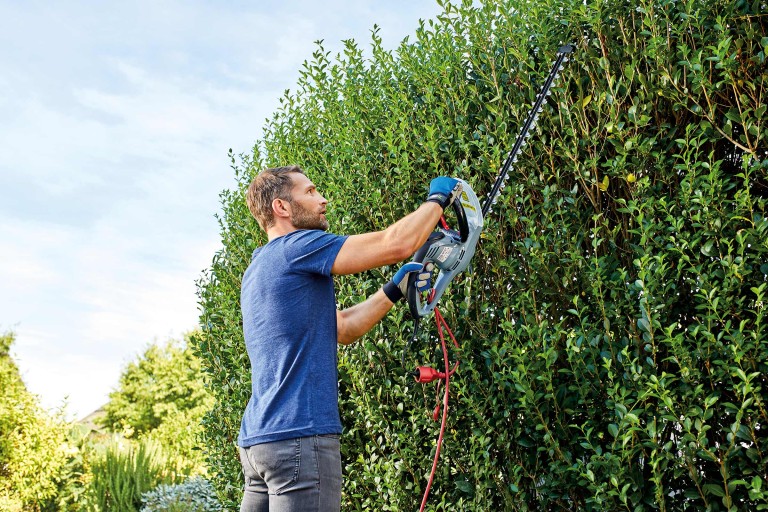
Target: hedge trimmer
450, 251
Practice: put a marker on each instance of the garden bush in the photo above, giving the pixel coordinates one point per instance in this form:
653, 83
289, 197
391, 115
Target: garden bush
193, 495
123, 470
613, 343
73, 478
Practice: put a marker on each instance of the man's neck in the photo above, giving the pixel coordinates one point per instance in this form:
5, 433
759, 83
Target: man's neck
279, 230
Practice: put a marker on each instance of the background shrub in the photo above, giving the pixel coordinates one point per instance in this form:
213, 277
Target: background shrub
123, 470
193, 495
73, 478
613, 340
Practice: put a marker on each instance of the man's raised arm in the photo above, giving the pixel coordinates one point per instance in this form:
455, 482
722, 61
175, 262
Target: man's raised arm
400, 240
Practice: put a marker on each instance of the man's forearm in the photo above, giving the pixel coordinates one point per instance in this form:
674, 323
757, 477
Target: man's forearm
391, 245
414, 228
353, 322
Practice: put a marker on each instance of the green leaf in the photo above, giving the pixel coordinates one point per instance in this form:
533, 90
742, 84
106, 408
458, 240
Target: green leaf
714, 489
465, 487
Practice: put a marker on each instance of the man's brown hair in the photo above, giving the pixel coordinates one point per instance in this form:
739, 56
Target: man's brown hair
270, 184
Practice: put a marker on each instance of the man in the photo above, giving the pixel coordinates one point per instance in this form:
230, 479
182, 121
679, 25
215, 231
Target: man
289, 436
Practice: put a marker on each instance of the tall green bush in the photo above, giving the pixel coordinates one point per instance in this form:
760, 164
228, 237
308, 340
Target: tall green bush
161, 396
613, 343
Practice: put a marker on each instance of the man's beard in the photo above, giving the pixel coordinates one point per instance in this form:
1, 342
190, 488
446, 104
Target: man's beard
302, 218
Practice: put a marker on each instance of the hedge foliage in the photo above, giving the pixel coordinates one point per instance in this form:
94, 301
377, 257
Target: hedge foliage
614, 352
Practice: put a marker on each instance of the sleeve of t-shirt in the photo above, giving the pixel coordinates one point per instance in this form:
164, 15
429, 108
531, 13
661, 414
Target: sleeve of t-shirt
313, 251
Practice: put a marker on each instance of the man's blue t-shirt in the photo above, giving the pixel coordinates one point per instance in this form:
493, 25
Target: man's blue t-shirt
289, 322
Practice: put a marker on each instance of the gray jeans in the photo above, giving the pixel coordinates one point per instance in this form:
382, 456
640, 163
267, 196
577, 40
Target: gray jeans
296, 475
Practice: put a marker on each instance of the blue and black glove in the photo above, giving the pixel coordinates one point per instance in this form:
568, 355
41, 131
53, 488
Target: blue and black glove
397, 287
444, 190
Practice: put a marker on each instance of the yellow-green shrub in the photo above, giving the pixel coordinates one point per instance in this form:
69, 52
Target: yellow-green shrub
33, 447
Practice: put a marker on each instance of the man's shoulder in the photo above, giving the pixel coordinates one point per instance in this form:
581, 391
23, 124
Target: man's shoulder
310, 240
309, 234
297, 237
299, 245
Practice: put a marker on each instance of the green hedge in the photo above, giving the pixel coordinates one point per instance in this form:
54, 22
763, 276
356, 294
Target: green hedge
613, 343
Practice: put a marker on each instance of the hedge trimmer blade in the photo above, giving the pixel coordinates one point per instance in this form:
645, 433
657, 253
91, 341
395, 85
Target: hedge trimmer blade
525, 132
449, 251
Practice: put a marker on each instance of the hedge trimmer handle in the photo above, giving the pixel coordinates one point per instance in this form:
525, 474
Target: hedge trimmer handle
447, 250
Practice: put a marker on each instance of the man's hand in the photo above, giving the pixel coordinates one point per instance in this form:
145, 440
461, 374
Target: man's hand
397, 288
352, 323
444, 190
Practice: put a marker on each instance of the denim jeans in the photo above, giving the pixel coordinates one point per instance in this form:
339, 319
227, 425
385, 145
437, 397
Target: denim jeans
296, 475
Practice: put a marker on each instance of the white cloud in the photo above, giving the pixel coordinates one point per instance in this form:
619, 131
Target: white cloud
23, 250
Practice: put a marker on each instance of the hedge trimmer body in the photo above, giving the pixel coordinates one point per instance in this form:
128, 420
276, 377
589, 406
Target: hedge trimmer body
447, 250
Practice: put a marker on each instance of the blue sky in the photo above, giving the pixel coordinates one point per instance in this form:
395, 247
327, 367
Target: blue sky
115, 122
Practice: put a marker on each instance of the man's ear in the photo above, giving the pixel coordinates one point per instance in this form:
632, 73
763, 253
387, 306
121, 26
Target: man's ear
281, 208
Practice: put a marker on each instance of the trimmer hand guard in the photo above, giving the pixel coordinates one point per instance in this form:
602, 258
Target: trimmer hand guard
447, 250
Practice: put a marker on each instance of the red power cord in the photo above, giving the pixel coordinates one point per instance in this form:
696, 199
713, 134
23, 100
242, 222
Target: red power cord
426, 374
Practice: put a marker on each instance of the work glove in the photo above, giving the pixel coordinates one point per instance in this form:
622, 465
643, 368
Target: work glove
397, 287
444, 190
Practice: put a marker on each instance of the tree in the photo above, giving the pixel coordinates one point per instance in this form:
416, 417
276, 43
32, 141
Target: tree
161, 395
614, 351
33, 448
